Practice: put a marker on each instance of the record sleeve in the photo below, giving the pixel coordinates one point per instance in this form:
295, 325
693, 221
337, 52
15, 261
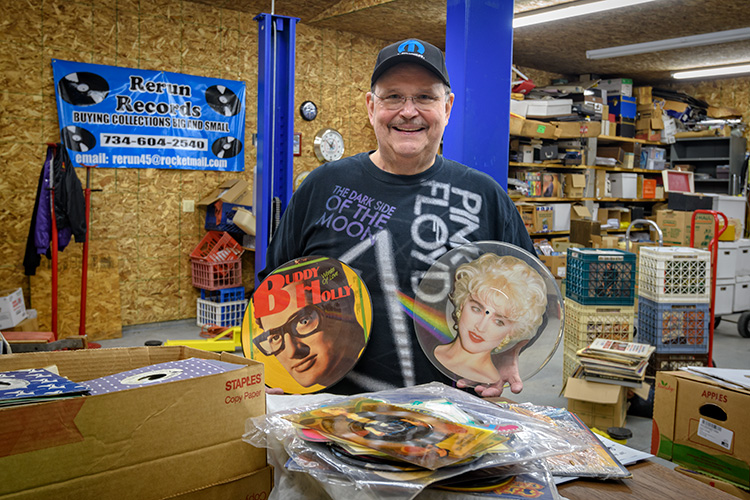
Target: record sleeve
34, 385
308, 323
488, 312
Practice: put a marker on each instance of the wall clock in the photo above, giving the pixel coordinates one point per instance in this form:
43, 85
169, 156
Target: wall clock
328, 145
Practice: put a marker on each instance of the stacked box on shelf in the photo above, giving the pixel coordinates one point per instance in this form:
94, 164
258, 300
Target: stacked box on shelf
600, 276
216, 262
674, 287
583, 324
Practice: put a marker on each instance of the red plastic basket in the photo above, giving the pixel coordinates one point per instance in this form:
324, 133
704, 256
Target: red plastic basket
216, 275
217, 246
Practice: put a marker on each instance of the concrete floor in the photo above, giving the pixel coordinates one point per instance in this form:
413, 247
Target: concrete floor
730, 351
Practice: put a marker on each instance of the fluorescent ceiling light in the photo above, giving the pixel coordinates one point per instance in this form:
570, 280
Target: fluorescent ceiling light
671, 43
567, 11
718, 71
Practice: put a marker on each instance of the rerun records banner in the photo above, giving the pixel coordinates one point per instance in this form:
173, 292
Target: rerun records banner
132, 118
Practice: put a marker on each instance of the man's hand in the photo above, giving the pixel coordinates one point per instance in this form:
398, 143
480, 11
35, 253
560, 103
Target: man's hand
508, 369
274, 390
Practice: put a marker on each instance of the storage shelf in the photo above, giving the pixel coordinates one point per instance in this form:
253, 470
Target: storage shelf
610, 138
545, 199
687, 160
581, 167
562, 233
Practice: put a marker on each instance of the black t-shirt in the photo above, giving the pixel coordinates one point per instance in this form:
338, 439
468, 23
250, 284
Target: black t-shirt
391, 229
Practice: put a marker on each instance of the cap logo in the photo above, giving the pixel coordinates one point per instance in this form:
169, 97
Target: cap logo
411, 46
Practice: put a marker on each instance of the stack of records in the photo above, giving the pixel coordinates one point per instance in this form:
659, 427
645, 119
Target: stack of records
614, 362
35, 386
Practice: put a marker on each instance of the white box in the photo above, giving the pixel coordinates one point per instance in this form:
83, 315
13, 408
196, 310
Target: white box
741, 296
12, 308
743, 258
726, 259
561, 216
519, 107
617, 86
724, 303
731, 206
551, 107
624, 185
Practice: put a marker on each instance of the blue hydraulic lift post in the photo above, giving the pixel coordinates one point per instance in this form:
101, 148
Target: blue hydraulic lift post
479, 54
274, 170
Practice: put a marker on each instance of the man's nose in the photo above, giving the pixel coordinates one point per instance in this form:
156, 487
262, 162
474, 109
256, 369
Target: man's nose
409, 109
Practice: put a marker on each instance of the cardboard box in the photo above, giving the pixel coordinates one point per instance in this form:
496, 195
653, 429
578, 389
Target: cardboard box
619, 86
12, 308
701, 425
30, 324
574, 185
561, 217
255, 485
572, 130
624, 185
152, 442
555, 263
715, 482
222, 202
622, 106
676, 225
548, 107
734, 230
626, 127
526, 153
622, 215
615, 152
516, 124
541, 130
598, 405
527, 215
543, 218
642, 95
585, 232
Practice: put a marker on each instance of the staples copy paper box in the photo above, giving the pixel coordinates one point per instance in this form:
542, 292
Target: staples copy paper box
701, 425
12, 308
254, 486
149, 442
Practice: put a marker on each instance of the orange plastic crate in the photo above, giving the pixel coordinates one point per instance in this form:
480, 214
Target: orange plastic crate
217, 246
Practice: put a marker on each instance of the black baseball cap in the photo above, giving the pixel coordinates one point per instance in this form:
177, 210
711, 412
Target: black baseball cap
411, 51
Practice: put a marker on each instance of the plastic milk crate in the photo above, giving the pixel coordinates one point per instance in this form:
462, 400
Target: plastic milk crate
583, 324
217, 247
570, 365
674, 328
669, 362
674, 274
600, 276
224, 294
216, 275
220, 313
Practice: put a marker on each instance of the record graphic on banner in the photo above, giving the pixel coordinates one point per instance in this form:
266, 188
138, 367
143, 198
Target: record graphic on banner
83, 88
488, 312
223, 100
226, 147
308, 322
77, 138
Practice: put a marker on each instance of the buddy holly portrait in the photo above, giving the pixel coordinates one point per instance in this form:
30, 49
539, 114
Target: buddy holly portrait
309, 323
496, 306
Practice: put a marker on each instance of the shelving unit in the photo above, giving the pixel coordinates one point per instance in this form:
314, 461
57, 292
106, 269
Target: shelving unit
706, 154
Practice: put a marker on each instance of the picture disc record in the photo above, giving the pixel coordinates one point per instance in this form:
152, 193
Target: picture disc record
226, 147
77, 138
83, 88
308, 322
488, 311
223, 100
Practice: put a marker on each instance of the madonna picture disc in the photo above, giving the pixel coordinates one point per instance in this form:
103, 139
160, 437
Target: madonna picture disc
308, 322
488, 312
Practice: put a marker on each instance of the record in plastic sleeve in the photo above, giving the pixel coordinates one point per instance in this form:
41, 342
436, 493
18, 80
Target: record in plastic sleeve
78, 138
488, 311
223, 100
308, 323
83, 88
226, 147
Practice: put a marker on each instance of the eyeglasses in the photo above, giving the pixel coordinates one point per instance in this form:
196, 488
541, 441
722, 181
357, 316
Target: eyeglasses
397, 101
303, 323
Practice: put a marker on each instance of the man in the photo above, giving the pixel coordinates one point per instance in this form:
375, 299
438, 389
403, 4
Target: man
305, 317
392, 212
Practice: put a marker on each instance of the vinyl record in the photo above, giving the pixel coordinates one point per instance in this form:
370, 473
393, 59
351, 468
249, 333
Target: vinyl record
226, 147
308, 323
9, 384
488, 312
377, 429
477, 481
83, 88
371, 462
78, 139
223, 101
152, 377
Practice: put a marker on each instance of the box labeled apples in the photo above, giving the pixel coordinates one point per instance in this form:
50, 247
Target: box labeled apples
149, 442
702, 425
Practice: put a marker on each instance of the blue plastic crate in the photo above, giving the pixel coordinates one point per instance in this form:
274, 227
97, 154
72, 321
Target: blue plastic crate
225, 218
224, 294
674, 327
597, 276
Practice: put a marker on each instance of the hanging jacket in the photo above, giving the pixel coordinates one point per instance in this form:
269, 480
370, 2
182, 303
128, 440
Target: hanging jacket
70, 209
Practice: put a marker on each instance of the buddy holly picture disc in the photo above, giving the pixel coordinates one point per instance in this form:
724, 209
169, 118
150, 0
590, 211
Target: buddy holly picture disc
488, 311
308, 322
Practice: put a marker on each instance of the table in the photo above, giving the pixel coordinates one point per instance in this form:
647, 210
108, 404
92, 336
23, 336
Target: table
650, 481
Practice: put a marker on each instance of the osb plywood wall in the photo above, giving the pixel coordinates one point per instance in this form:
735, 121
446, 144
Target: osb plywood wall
138, 212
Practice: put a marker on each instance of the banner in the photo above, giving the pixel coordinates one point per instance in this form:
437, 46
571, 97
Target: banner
131, 118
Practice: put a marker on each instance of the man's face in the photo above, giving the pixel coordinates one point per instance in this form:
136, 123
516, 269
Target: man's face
410, 132
317, 358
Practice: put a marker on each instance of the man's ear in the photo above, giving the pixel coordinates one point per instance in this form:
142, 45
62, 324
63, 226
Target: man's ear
449, 106
370, 102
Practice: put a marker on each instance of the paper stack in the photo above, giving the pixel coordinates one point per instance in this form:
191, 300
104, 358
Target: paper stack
615, 362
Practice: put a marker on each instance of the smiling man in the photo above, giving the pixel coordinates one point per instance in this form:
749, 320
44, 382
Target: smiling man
392, 212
